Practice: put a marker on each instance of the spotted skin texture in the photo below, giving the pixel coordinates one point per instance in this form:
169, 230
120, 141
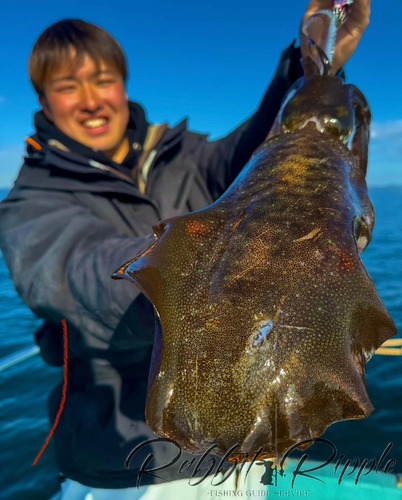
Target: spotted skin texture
265, 313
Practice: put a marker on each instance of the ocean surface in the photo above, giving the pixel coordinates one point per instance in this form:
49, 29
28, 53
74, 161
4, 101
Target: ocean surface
24, 387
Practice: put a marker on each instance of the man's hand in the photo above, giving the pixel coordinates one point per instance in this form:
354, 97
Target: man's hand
349, 33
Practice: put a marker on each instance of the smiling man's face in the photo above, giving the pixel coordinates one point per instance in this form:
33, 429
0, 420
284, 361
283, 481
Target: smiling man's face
89, 104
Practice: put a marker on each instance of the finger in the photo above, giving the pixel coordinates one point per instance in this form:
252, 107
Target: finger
356, 22
358, 16
316, 5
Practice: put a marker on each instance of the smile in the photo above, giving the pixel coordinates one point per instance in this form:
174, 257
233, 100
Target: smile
94, 122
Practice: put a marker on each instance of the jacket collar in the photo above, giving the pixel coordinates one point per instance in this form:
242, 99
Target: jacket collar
43, 156
38, 151
47, 133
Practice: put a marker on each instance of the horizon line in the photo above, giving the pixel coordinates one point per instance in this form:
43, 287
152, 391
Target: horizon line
370, 186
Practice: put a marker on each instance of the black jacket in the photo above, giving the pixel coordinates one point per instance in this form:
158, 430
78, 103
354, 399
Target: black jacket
72, 218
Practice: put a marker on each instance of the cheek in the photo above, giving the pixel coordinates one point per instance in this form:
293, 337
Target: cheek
118, 98
62, 107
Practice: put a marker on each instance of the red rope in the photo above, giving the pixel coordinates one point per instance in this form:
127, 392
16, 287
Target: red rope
63, 396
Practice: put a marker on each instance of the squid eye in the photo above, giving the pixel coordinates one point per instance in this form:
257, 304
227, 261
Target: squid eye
332, 126
362, 233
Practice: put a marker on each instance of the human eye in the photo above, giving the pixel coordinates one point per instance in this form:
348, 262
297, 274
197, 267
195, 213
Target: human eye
65, 88
103, 82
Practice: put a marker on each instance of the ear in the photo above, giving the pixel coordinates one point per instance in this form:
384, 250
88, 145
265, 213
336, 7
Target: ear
361, 135
310, 68
325, 62
45, 107
275, 129
320, 58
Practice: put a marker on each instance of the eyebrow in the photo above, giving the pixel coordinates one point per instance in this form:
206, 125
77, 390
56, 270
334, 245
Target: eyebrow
61, 79
72, 77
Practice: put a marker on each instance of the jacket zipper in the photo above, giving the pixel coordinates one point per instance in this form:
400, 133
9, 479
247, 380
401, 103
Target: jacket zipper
112, 170
125, 177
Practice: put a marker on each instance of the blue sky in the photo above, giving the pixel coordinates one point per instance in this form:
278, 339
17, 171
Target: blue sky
210, 61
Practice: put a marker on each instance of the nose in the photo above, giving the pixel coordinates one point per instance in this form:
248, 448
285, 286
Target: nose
90, 99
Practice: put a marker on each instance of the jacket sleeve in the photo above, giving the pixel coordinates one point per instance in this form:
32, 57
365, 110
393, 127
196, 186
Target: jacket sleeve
61, 257
222, 160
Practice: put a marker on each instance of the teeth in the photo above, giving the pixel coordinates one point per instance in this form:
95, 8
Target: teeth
95, 122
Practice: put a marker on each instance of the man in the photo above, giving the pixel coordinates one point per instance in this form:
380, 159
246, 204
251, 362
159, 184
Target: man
97, 176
